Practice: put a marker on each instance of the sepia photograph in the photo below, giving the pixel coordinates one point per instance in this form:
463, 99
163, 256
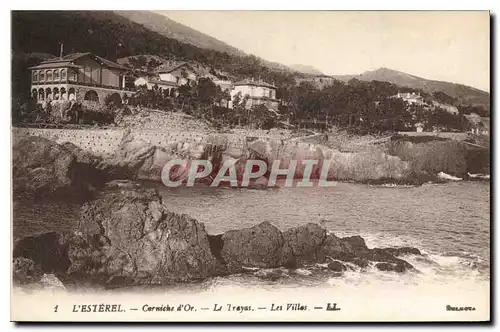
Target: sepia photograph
250, 166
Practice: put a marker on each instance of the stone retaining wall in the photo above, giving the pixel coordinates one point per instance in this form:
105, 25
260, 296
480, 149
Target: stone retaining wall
105, 141
98, 141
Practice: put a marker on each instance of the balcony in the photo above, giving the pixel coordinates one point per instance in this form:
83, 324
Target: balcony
67, 81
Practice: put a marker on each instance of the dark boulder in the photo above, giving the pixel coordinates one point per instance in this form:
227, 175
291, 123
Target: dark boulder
61, 254
378, 255
333, 244
334, 248
27, 275
303, 245
403, 265
48, 251
396, 267
336, 266
124, 236
24, 271
258, 246
361, 262
349, 257
384, 266
138, 239
354, 244
399, 251
382, 255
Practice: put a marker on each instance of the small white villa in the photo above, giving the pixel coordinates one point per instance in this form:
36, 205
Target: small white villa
258, 92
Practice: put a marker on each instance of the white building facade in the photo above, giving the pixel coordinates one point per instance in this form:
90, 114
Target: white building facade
255, 93
410, 97
167, 86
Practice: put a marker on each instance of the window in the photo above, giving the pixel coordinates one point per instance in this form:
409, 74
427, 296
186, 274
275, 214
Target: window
80, 75
63, 74
88, 75
49, 75
73, 75
42, 76
56, 75
35, 76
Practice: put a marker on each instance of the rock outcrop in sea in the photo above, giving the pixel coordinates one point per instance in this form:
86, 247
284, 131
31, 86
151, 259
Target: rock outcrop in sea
127, 236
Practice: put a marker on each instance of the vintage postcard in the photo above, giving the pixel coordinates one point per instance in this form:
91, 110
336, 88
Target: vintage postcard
230, 166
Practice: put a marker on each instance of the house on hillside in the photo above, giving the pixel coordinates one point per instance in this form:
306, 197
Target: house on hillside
82, 77
478, 125
172, 75
410, 97
180, 73
449, 108
257, 93
150, 82
322, 80
225, 85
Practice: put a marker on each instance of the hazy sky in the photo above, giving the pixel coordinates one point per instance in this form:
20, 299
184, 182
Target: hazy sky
449, 46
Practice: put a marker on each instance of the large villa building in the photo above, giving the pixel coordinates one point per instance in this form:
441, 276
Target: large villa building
258, 92
79, 76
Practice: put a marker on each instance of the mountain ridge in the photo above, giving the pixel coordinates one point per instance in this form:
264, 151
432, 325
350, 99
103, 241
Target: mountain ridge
465, 94
306, 69
167, 27
170, 28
